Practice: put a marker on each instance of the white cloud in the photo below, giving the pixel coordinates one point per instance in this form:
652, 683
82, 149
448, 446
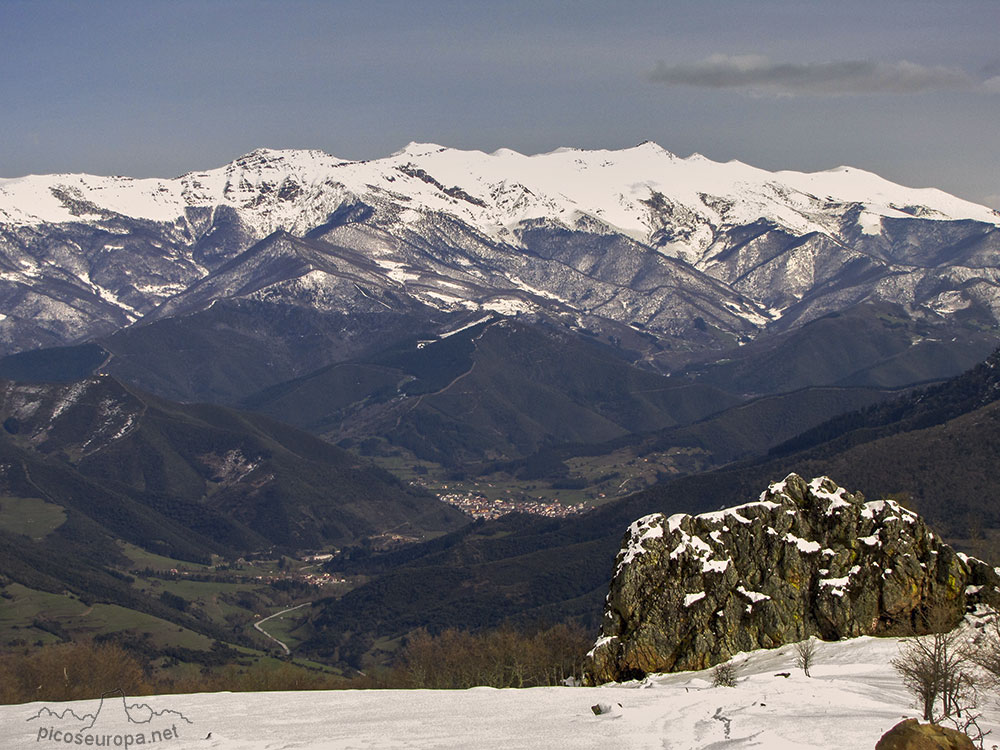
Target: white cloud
757, 74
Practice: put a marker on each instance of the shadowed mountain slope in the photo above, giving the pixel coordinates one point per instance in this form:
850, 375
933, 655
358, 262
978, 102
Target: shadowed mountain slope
242, 480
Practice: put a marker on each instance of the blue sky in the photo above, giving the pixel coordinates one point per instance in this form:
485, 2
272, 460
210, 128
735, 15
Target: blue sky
910, 90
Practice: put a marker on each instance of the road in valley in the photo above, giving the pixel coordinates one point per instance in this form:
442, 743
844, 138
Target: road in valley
258, 624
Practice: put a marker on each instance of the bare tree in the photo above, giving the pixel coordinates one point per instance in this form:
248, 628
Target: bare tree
985, 651
805, 655
937, 669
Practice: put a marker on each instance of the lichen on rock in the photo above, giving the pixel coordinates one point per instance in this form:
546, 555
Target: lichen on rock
807, 558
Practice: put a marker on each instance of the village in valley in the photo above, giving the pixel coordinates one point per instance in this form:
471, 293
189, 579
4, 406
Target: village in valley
480, 506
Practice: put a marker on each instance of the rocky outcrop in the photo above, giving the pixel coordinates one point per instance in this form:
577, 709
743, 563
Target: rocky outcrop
808, 558
912, 735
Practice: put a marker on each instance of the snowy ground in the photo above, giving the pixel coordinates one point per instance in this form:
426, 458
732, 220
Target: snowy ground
852, 698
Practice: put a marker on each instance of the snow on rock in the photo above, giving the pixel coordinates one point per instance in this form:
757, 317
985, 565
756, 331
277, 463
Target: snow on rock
601, 642
690, 599
835, 498
648, 527
715, 566
754, 596
804, 545
807, 559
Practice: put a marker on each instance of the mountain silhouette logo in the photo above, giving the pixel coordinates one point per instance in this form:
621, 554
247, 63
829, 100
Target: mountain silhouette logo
115, 724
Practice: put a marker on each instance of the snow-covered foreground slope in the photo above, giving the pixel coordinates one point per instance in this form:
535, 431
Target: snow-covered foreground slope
852, 698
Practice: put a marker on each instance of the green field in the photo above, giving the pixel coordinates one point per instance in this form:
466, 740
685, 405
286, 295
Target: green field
30, 516
143, 559
26, 613
228, 596
23, 606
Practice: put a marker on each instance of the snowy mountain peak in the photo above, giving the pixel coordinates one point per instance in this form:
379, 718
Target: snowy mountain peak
651, 147
416, 149
271, 157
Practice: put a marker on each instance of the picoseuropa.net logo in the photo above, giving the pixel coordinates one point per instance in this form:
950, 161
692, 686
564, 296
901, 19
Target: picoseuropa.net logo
115, 724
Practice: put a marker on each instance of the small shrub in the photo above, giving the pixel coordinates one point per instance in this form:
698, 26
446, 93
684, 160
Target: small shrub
725, 675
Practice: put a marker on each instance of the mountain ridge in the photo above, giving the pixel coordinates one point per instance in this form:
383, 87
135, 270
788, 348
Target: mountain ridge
699, 254
835, 183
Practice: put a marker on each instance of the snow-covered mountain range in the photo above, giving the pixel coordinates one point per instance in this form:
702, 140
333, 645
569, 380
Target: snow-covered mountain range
685, 250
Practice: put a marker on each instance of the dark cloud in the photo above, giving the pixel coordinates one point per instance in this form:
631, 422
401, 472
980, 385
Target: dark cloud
757, 74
